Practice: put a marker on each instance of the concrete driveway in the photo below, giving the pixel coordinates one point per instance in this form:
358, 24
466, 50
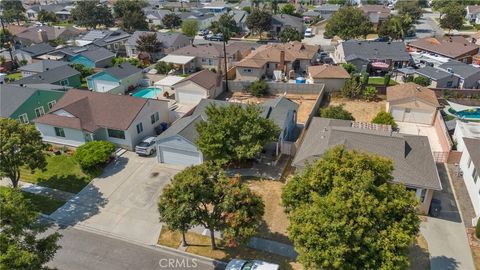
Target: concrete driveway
122, 201
446, 237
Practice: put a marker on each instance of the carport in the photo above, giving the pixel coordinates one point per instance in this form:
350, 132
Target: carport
180, 60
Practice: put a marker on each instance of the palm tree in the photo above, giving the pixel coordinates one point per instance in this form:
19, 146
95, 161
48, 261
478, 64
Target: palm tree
149, 44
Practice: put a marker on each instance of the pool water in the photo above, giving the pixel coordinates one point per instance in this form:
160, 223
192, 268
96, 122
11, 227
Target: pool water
149, 92
467, 114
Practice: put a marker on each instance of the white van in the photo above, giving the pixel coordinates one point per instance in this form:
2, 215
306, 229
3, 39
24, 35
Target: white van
308, 32
237, 264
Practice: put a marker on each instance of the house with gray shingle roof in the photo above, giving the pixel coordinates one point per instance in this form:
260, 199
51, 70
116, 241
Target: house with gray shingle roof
94, 57
413, 162
198, 86
177, 144
82, 116
363, 53
63, 75
282, 21
112, 40
116, 80
40, 66
169, 43
439, 78
468, 74
32, 52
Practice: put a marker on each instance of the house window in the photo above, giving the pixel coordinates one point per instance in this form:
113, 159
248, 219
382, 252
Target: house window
139, 128
133, 51
210, 62
59, 132
51, 103
469, 162
39, 111
204, 60
64, 82
247, 70
154, 117
474, 175
23, 118
114, 133
423, 195
449, 84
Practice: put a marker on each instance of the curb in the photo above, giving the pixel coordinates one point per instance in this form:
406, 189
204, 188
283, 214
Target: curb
200, 257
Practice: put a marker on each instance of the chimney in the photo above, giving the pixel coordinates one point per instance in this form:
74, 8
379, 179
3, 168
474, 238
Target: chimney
282, 60
42, 35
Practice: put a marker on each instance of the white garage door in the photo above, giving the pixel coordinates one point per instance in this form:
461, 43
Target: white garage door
104, 86
418, 116
189, 98
179, 157
397, 114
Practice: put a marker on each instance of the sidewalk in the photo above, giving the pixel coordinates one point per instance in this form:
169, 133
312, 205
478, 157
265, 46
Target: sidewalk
36, 189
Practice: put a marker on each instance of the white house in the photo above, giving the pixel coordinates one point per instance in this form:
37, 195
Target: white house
116, 80
82, 116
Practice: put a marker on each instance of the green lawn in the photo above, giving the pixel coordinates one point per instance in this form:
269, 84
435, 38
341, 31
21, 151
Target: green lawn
65, 24
14, 76
42, 204
62, 172
380, 81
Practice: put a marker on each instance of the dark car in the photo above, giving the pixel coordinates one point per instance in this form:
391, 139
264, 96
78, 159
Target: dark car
435, 207
215, 37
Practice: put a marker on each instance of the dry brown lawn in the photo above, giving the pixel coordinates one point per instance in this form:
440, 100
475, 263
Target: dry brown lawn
169, 238
305, 102
476, 257
275, 221
362, 110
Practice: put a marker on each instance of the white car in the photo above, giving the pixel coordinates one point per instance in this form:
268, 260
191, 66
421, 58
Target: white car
146, 147
308, 32
237, 264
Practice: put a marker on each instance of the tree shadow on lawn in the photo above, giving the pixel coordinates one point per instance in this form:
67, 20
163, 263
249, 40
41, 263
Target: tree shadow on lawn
70, 182
418, 255
265, 232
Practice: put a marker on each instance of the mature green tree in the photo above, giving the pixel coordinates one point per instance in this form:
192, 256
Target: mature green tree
384, 118
20, 145
288, 9
190, 28
453, 17
205, 196
289, 34
234, 133
346, 214
134, 20
163, 68
6, 38
348, 23
46, 16
259, 21
410, 8
349, 67
336, 112
121, 7
227, 27
396, 27
13, 11
149, 44
171, 21
273, 6
439, 5
84, 71
92, 14
22, 242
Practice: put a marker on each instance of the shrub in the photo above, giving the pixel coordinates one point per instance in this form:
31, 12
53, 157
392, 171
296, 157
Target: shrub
94, 154
349, 67
370, 93
258, 88
388, 76
423, 81
351, 88
477, 229
336, 112
384, 118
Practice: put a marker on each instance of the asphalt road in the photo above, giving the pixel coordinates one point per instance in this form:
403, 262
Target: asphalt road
87, 250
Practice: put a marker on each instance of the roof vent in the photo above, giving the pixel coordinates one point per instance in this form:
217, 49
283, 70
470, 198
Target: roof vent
418, 88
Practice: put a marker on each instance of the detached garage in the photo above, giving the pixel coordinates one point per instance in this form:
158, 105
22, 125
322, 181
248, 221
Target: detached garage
203, 84
412, 103
176, 144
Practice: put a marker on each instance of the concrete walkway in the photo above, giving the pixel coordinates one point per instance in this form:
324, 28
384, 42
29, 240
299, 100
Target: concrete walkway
36, 189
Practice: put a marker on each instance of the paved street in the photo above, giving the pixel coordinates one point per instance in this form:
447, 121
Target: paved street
85, 250
427, 26
122, 201
446, 237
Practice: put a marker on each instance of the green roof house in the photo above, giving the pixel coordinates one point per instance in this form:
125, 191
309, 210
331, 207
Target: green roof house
64, 76
26, 104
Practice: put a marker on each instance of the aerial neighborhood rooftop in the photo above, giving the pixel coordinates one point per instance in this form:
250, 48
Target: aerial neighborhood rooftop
240, 135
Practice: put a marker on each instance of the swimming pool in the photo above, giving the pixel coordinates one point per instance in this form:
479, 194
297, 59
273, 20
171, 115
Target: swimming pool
150, 92
466, 114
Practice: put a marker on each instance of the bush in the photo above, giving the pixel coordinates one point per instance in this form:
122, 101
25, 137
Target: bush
370, 93
258, 88
423, 81
477, 229
336, 112
351, 88
94, 154
385, 118
349, 67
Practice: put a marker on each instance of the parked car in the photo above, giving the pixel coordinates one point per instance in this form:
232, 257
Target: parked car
308, 32
435, 207
215, 37
203, 32
146, 147
238, 264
